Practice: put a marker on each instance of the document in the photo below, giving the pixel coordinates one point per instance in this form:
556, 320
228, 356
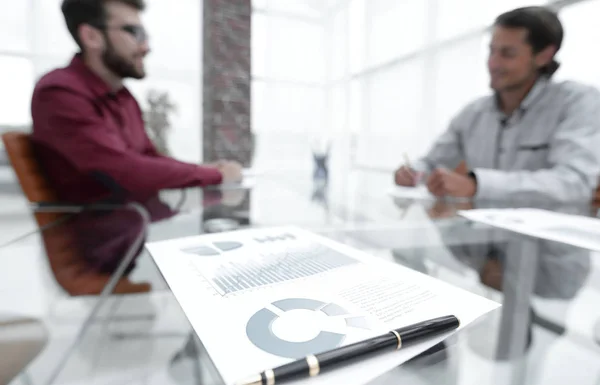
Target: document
261, 298
576, 230
252, 172
416, 193
244, 184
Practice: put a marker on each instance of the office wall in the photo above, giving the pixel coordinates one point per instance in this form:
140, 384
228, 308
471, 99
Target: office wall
34, 40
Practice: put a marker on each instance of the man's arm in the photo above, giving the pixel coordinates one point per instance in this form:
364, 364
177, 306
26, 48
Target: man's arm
69, 124
447, 149
150, 149
574, 157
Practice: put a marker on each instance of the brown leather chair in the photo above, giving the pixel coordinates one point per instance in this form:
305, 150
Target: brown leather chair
68, 266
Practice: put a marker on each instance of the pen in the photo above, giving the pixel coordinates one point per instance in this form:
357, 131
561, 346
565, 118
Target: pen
313, 365
407, 161
408, 165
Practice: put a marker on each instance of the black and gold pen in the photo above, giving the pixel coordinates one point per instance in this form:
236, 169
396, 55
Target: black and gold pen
313, 365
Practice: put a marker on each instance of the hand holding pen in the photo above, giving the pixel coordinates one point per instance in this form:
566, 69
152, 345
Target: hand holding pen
406, 176
313, 365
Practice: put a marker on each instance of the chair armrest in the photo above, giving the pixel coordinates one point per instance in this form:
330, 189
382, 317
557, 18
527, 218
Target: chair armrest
71, 208
67, 207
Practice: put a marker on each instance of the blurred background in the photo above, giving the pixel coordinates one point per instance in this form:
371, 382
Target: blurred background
273, 82
374, 77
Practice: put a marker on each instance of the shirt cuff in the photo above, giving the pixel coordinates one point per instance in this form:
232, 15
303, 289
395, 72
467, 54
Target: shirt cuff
489, 184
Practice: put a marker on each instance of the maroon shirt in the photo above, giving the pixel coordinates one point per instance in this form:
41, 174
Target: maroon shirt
80, 127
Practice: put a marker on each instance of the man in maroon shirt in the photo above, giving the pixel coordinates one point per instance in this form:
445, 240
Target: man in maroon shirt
88, 129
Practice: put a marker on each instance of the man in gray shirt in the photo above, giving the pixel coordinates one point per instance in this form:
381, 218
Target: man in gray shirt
533, 138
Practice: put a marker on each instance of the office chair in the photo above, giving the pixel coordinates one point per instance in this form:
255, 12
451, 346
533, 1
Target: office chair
66, 262
68, 267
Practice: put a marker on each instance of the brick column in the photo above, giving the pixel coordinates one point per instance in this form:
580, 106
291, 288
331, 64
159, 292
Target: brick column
227, 80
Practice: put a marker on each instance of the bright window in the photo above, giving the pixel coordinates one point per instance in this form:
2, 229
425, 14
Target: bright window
16, 78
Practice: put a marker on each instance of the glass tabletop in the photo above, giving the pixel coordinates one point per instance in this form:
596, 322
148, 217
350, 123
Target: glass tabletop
547, 330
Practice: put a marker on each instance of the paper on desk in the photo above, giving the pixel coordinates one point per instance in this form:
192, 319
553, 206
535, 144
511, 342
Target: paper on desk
574, 230
246, 183
260, 298
417, 193
252, 172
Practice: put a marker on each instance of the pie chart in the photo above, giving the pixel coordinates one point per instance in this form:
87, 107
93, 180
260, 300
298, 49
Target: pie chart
211, 250
296, 327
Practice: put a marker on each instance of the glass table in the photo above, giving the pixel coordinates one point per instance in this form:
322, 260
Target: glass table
547, 330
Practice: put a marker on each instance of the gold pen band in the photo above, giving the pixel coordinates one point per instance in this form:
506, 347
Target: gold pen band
398, 338
313, 365
270, 377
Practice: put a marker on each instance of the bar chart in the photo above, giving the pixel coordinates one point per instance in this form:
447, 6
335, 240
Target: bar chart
297, 262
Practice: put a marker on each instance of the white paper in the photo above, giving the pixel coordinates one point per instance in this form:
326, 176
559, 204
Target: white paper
418, 193
244, 184
243, 292
574, 230
252, 172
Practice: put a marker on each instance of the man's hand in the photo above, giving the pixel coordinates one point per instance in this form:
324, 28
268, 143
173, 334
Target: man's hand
446, 182
405, 176
231, 171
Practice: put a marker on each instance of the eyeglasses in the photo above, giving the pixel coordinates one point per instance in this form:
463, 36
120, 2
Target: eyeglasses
137, 31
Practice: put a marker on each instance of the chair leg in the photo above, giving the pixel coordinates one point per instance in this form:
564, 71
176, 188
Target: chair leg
107, 290
115, 335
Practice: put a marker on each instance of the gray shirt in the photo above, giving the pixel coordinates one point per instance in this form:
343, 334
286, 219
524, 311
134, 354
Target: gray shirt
549, 148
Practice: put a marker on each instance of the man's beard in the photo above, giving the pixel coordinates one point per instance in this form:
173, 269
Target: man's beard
119, 65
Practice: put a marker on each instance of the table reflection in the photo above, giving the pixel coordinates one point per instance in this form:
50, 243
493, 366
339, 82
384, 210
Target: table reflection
519, 267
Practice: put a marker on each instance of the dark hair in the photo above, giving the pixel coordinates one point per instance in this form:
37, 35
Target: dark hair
92, 12
543, 27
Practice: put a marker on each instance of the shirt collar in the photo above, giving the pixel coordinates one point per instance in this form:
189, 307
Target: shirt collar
98, 86
535, 94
